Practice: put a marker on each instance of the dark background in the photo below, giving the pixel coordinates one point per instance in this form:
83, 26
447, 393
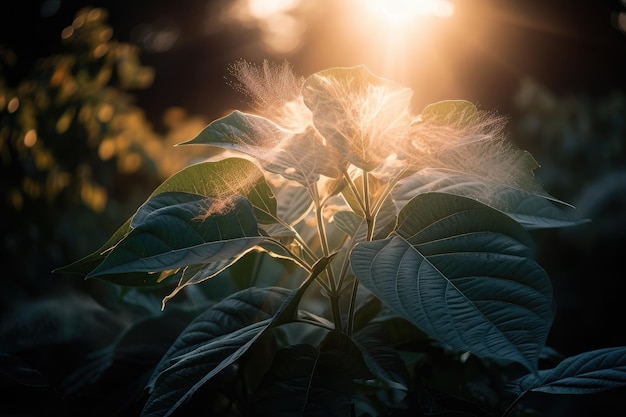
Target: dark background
485, 53
487, 47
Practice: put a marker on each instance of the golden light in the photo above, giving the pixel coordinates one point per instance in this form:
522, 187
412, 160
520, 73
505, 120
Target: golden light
395, 31
402, 11
281, 22
30, 138
263, 9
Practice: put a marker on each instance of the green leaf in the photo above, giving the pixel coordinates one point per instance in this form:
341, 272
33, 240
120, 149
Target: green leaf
220, 179
360, 115
534, 210
462, 272
195, 274
218, 338
305, 381
172, 233
297, 156
214, 340
223, 179
88, 263
349, 222
241, 132
294, 203
585, 373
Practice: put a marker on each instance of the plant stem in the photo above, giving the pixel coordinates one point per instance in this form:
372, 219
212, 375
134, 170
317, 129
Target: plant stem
355, 288
305, 247
354, 189
333, 294
368, 209
388, 189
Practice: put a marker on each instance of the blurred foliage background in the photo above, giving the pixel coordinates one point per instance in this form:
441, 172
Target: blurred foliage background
81, 149
78, 156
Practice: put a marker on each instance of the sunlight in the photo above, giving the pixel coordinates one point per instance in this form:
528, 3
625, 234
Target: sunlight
281, 22
395, 31
262, 9
402, 11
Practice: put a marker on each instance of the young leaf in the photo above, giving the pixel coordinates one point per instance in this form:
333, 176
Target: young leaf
585, 373
461, 272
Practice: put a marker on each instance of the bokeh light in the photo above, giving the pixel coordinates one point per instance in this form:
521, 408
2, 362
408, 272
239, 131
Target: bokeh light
281, 23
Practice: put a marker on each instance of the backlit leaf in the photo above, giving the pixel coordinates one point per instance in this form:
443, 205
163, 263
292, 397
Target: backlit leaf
360, 115
462, 272
531, 209
220, 179
298, 156
173, 234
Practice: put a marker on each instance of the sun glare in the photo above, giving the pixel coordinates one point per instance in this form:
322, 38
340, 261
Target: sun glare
397, 30
262, 9
401, 11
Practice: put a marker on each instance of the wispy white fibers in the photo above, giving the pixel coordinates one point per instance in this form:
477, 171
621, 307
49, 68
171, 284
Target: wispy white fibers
364, 117
367, 121
470, 142
275, 92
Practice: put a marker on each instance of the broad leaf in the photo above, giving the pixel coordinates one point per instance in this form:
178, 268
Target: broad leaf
88, 263
221, 179
298, 156
462, 272
214, 340
306, 381
218, 338
585, 373
533, 210
294, 203
173, 233
349, 222
381, 357
195, 274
